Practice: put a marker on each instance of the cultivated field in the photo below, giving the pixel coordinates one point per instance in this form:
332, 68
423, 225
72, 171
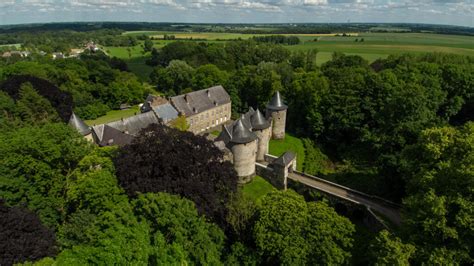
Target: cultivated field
373, 46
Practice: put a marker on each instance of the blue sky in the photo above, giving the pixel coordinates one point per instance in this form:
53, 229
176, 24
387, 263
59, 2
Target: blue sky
454, 12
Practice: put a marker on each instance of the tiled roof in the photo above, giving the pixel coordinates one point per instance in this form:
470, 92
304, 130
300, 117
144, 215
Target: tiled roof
237, 132
166, 112
285, 159
199, 101
132, 125
105, 135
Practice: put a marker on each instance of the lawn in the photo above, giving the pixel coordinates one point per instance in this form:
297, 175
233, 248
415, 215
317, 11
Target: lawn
114, 115
290, 143
257, 188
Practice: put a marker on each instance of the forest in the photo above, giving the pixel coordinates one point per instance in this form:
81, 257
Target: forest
400, 128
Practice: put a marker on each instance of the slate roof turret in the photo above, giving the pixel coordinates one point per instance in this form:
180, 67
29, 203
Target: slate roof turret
241, 134
277, 103
258, 121
79, 125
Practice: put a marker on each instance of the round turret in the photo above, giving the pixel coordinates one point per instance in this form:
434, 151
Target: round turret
244, 149
276, 109
262, 128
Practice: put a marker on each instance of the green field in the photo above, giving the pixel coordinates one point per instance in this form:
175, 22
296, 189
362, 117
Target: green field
290, 143
114, 115
374, 46
257, 188
381, 45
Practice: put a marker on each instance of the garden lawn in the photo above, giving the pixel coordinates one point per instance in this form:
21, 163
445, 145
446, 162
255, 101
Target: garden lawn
114, 115
290, 143
257, 188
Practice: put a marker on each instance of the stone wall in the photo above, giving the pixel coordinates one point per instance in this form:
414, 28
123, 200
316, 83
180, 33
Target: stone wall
278, 123
209, 118
263, 141
244, 158
269, 174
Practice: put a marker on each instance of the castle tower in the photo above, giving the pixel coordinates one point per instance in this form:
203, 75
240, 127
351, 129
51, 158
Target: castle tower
262, 128
276, 109
243, 144
81, 127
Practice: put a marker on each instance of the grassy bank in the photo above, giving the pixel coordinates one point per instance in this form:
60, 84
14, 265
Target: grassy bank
114, 115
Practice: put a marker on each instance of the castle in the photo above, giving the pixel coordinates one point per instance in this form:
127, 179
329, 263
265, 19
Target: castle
244, 141
247, 140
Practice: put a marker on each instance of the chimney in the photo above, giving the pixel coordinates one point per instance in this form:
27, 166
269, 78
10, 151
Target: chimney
186, 98
208, 93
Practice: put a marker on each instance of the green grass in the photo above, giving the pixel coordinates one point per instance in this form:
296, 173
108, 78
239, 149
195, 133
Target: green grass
114, 115
216, 132
257, 188
290, 143
381, 45
135, 59
16, 45
375, 45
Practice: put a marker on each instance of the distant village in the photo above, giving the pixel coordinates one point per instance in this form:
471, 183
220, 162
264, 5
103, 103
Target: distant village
73, 53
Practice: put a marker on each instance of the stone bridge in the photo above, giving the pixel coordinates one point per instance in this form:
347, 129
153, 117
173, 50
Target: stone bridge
374, 204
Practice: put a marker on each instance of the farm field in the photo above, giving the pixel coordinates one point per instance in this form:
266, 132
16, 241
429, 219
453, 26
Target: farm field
373, 46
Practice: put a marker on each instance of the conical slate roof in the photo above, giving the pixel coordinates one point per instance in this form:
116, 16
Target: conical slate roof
276, 103
258, 121
241, 134
79, 125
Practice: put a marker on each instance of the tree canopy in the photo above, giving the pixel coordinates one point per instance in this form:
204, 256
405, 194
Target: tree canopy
163, 159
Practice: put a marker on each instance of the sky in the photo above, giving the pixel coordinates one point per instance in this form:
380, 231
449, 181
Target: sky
450, 12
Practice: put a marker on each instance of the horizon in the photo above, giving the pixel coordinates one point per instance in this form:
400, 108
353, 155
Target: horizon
434, 12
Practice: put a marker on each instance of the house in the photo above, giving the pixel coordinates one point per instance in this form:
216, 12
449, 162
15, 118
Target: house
204, 109
75, 52
58, 55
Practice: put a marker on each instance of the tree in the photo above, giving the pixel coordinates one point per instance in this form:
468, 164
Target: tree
291, 231
173, 79
439, 210
148, 45
389, 250
176, 220
207, 76
168, 160
36, 174
180, 123
24, 237
100, 227
33, 108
